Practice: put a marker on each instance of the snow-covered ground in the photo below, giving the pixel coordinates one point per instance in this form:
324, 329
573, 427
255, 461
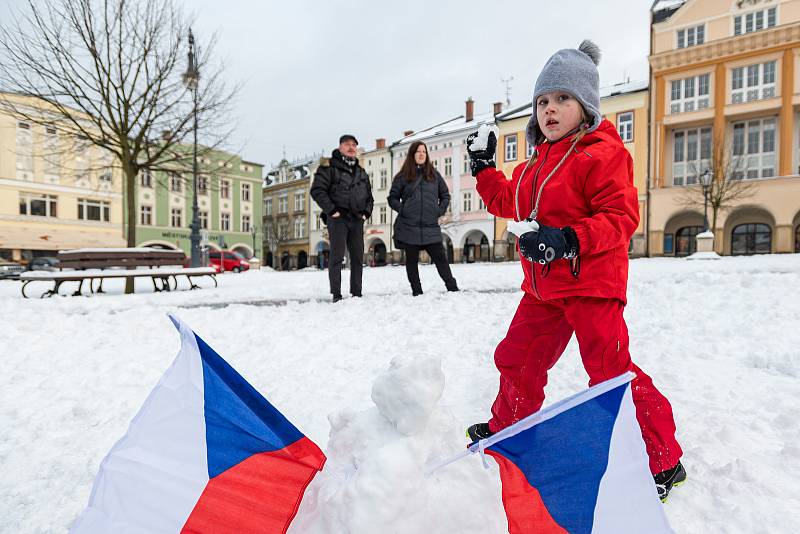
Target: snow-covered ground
721, 338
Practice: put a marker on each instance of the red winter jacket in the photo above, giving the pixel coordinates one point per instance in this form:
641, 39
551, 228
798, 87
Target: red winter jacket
593, 193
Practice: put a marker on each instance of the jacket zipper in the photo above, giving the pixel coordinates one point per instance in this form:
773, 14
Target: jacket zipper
533, 203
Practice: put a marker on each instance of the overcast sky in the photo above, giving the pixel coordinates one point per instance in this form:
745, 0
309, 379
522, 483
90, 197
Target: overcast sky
313, 70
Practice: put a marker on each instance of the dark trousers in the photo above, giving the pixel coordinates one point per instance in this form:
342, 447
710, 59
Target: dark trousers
439, 257
345, 232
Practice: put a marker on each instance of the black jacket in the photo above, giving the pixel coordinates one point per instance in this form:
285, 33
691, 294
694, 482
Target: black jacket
340, 187
419, 204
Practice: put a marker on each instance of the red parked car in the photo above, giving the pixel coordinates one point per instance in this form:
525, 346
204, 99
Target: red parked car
227, 260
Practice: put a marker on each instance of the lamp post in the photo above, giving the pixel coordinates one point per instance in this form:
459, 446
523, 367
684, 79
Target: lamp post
190, 79
254, 233
705, 181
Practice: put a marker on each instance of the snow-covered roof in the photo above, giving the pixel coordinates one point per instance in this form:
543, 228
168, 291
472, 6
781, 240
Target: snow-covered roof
623, 88
663, 9
516, 113
451, 126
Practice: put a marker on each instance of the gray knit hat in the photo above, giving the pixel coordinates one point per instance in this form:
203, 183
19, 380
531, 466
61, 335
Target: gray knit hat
575, 72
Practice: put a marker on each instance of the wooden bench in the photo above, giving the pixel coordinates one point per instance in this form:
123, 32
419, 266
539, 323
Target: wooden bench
87, 265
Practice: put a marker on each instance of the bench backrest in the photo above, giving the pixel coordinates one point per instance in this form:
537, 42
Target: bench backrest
101, 259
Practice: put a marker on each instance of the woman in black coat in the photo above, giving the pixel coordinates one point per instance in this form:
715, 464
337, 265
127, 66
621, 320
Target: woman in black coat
420, 196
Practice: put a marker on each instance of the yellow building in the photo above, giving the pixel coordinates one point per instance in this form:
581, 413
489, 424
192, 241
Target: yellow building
55, 193
623, 104
725, 93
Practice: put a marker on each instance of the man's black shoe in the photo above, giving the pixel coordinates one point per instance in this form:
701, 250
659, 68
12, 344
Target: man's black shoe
479, 431
666, 480
337, 298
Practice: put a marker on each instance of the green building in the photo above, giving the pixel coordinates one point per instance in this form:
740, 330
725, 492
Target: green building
229, 205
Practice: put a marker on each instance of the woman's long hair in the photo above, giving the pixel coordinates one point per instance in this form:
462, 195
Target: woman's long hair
409, 168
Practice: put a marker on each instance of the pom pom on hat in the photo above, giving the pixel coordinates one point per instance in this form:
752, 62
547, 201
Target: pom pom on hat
590, 49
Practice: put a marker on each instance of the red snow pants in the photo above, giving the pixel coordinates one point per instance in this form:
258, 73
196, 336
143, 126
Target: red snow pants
537, 337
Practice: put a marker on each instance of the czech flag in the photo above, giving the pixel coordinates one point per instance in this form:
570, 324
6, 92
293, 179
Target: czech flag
206, 453
579, 467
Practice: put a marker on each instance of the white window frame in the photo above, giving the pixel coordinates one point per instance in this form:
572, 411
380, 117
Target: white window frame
283, 203
176, 214
146, 179
24, 149
146, 215
299, 227
202, 218
50, 204
268, 206
687, 171
382, 211
510, 147
83, 210
465, 161
448, 166
757, 81
529, 149
680, 103
224, 189
225, 222
299, 201
245, 223
175, 183
625, 126
467, 201
750, 22
384, 178
753, 162
202, 185
690, 36
245, 187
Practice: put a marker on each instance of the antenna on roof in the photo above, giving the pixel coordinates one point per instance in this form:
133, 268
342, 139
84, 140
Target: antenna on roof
507, 82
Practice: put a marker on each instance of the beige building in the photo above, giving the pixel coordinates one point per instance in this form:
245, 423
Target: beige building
625, 105
725, 97
378, 245
55, 192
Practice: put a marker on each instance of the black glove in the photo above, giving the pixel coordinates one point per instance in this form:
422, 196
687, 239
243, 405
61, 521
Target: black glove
481, 159
549, 244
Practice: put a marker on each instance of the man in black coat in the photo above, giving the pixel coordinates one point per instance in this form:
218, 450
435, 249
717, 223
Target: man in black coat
342, 190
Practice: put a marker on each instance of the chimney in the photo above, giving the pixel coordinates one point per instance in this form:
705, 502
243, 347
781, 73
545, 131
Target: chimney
380, 143
498, 108
470, 109
407, 133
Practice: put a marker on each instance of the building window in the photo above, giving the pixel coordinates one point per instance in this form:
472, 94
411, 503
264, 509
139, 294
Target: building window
299, 201
691, 155
24, 151
52, 156
448, 166
797, 239
751, 239
690, 94
755, 21
384, 178
224, 189
146, 178
753, 82
465, 164
146, 215
754, 149
225, 222
175, 183
106, 177
245, 223
529, 149
668, 244
299, 227
481, 205
685, 240
511, 147
625, 126
38, 205
435, 164
318, 222
283, 203
202, 217
93, 210
382, 212
696, 35
467, 201
267, 206
245, 192
202, 185
176, 217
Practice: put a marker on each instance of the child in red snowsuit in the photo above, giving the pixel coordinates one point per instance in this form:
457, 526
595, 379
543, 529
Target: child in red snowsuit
578, 187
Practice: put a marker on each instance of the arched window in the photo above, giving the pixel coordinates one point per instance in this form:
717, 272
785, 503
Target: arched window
685, 240
797, 239
751, 238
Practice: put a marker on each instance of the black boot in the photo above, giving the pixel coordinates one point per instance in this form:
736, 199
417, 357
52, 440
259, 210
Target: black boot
668, 479
479, 431
337, 298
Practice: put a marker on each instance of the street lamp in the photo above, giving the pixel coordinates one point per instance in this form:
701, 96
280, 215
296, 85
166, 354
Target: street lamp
705, 181
190, 79
254, 233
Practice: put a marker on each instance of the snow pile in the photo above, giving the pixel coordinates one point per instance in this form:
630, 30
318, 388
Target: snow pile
374, 479
480, 142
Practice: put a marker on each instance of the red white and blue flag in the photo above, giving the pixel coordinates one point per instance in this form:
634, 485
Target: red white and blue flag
206, 453
578, 466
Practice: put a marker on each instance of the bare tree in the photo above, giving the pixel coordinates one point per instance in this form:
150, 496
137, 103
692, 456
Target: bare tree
110, 73
727, 186
276, 231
